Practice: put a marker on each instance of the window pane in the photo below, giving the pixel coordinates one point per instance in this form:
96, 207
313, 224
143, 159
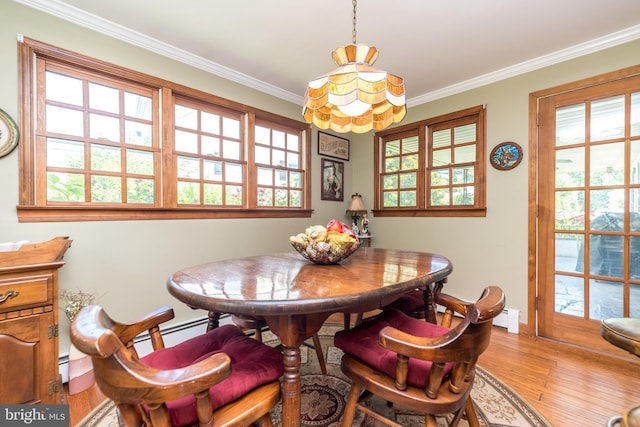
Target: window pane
407, 198
233, 195
570, 125
188, 167
277, 139
293, 142
635, 114
570, 210
139, 162
634, 253
230, 128
104, 98
186, 117
281, 198
607, 118
392, 165
442, 138
281, 178
390, 199
64, 121
463, 196
606, 299
186, 142
606, 253
410, 145
105, 158
263, 135
231, 149
569, 295
295, 198
212, 171
392, 148
138, 106
277, 157
607, 164
466, 154
634, 300
63, 88
263, 155
65, 154
463, 175
408, 180
213, 194
293, 160
140, 190
635, 162
104, 128
188, 193
569, 252
441, 157
233, 172
606, 201
440, 177
210, 123
210, 146
265, 176
295, 181
106, 189
463, 134
65, 187
138, 133
390, 182
440, 197
570, 167
265, 196
410, 162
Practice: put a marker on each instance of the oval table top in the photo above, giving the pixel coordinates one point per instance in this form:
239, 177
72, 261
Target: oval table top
286, 283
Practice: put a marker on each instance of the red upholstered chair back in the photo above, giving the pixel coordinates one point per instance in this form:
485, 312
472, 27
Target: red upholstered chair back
220, 378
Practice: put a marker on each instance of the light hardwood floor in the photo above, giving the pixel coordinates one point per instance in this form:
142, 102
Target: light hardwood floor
568, 386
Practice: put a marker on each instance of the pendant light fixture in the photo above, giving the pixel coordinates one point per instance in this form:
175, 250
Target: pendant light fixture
355, 97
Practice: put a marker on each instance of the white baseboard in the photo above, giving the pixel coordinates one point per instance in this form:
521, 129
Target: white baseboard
509, 319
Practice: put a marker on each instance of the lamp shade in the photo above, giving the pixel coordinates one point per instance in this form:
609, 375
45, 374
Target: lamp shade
355, 97
357, 205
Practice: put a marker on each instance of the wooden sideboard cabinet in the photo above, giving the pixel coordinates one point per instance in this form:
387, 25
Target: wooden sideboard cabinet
29, 322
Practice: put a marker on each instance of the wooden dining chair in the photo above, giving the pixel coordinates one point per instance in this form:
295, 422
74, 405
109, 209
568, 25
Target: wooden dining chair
425, 367
219, 378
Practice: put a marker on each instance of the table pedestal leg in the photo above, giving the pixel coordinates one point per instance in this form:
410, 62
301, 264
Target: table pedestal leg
429, 294
291, 387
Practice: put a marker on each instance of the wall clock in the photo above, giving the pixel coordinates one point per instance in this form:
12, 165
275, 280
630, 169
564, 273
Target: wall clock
9, 134
506, 155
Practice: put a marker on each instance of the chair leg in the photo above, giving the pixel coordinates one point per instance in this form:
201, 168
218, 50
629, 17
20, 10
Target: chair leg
350, 407
319, 353
472, 415
264, 421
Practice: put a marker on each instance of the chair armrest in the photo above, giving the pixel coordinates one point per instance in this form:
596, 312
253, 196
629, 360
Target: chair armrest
128, 331
433, 349
153, 385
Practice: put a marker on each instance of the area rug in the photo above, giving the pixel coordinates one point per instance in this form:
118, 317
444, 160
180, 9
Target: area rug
323, 397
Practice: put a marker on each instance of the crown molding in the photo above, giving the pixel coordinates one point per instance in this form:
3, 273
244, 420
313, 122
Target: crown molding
103, 26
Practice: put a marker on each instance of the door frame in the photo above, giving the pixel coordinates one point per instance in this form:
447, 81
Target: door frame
533, 206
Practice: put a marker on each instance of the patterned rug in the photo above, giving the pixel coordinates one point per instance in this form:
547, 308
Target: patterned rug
323, 397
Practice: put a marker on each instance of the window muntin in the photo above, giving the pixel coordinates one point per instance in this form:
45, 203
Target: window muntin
434, 167
111, 143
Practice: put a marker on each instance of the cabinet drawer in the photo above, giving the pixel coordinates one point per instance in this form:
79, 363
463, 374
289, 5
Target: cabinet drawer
29, 291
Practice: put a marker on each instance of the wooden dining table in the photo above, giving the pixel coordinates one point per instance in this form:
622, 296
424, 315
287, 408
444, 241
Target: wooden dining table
295, 297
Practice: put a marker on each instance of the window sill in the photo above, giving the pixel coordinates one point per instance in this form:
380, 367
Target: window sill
445, 212
79, 213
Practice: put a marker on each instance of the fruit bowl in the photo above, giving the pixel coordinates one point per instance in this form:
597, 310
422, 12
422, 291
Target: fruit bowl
324, 252
326, 245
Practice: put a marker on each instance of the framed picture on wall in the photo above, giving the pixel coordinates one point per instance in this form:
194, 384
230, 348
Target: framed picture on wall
332, 180
333, 146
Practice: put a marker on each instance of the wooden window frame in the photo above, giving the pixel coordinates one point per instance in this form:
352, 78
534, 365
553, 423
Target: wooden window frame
32, 204
421, 129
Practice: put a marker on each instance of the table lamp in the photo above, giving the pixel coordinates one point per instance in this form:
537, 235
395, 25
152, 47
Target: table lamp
355, 207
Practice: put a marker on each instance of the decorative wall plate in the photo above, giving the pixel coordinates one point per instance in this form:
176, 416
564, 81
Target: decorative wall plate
9, 134
505, 156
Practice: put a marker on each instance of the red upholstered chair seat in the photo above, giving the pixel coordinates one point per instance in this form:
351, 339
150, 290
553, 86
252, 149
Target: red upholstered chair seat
363, 342
409, 302
252, 364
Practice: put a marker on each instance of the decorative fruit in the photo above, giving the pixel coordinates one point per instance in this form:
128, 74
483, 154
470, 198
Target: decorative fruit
326, 245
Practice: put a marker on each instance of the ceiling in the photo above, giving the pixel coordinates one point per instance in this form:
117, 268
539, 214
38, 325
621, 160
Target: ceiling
440, 47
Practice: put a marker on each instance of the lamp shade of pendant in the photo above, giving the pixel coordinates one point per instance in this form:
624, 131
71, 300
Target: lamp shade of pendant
355, 97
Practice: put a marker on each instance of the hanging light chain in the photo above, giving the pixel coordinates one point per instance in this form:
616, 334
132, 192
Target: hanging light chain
353, 32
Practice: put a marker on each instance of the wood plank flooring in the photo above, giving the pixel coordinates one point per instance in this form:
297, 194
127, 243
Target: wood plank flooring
568, 386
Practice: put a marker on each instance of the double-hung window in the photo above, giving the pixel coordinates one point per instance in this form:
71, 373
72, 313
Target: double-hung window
434, 167
102, 142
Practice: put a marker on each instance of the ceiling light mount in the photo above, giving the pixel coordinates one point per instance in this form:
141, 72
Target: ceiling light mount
355, 97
